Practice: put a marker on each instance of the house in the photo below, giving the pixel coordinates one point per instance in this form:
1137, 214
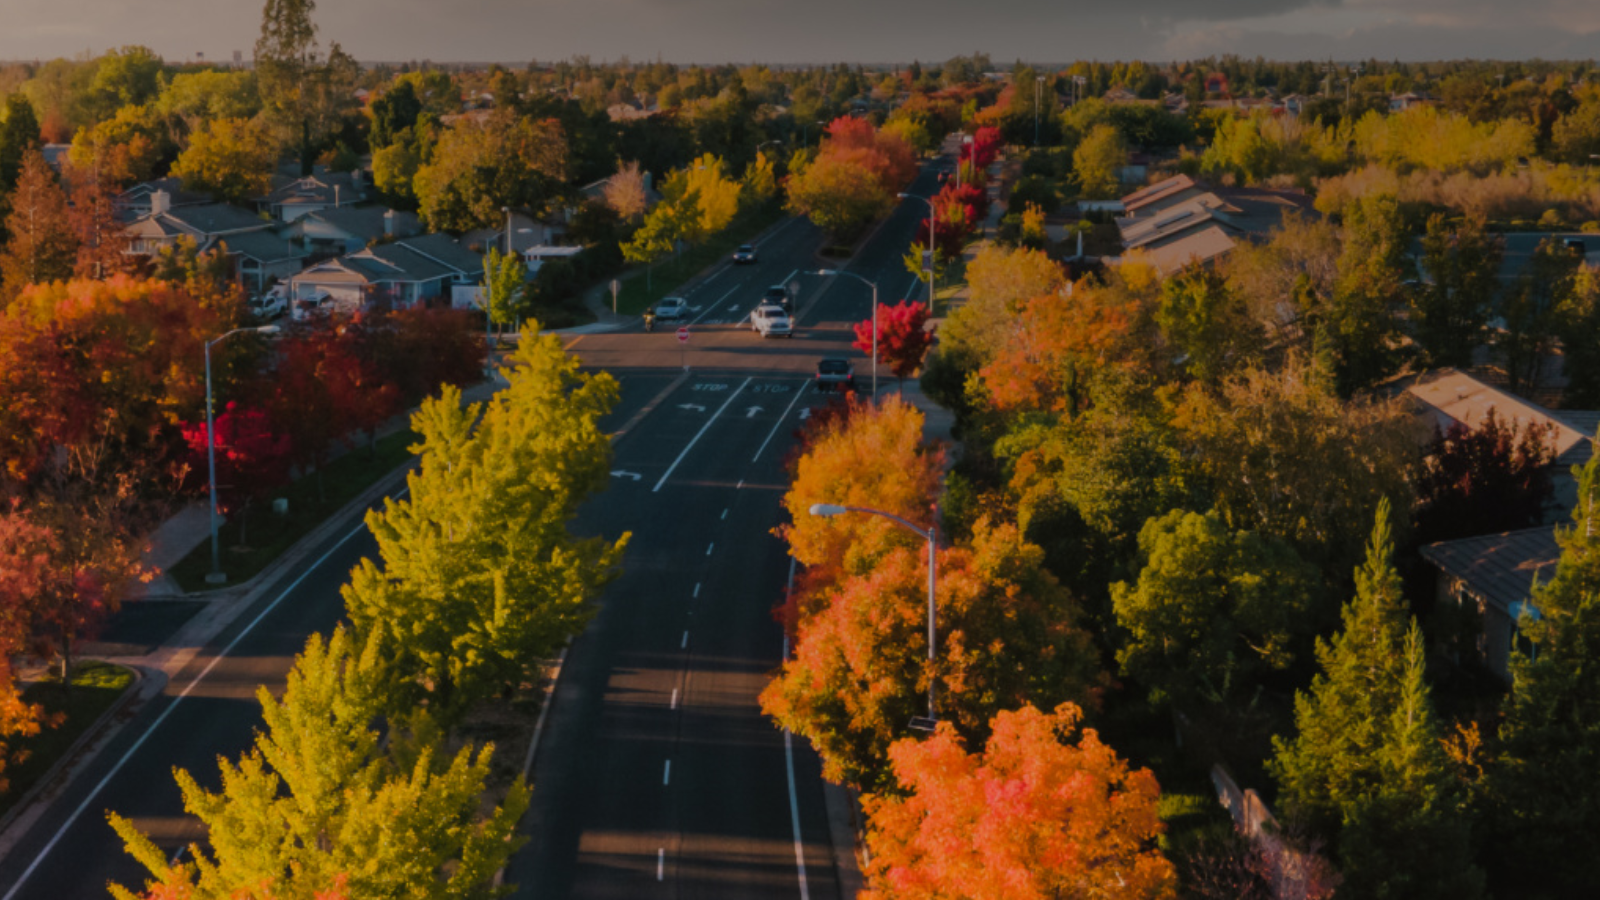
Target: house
1447, 396
338, 230
137, 201
323, 190
1493, 575
1398, 102
1120, 95
526, 231
55, 156
406, 272
262, 257
1179, 221
206, 224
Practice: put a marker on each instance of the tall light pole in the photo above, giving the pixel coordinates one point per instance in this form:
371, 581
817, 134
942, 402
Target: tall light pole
931, 535
932, 214
1038, 82
874, 286
216, 575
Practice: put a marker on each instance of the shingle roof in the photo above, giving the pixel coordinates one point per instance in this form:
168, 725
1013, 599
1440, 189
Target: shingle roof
397, 262
216, 218
1499, 569
1453, 395
323, 187
445, 251
263, 246
365, 222
1151, 193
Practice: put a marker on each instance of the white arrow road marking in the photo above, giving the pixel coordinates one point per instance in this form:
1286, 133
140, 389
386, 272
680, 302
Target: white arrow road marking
805, 414
692, 406
621, 474
751, 412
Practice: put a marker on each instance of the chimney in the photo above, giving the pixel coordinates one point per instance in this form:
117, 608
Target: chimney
160, 202
391, 223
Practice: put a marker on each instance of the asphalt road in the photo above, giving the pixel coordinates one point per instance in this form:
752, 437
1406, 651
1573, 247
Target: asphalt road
658, 775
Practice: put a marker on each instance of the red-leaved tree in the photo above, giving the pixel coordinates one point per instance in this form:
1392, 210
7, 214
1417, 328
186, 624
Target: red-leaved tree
903, 337
1484, 480
1036, 815
253, 458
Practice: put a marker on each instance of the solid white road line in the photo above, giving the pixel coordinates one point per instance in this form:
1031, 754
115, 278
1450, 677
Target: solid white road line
95, 792
724, 514
776, 425
685, 642
666, 774
713, 306
697, 588
794, 797
695, 440
709, 547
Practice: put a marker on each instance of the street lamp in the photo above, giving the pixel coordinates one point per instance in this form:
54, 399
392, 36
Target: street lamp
931, 535
1038, 82
874, 286
932, 214
216, 575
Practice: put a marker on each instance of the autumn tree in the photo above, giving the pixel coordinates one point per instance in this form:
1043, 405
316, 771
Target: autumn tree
1286, 280
1034, 815
1212, 607
25, 562
1543, 781
838, 194
479, 167
1000, 281
93, 217
625, 192
1097, 163
252, 458
1366, 763
328, 797
466, 608
1491, 478
704, 187
903, 337
232, 159
323, 391
42, 246
1008, 634
1451, 312
126, 148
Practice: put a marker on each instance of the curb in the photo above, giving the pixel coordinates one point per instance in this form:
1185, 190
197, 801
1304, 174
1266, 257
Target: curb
89, 736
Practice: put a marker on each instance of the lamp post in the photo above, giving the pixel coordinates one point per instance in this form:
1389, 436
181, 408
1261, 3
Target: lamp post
932, 214
931, 535
1038, 82
874, 286
216, 575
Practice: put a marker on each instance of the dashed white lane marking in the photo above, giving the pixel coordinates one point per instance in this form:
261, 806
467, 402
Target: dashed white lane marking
674, 699
685, 642
779, 424
661, 864
739, 485
697, 588
709, 547
696, 439
666, 774
724, 514
714, 305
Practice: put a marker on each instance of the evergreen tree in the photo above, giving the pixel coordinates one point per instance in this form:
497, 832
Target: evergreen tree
42, 246
1451, 312
1545, 781
1365, 765
481, 577
1360, 317
19, 133
325, 795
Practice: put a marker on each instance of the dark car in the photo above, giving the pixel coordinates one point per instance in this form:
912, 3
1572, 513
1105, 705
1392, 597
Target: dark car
778, 295
745, 254
835, 372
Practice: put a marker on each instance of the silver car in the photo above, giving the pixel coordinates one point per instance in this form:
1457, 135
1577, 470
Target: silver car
771, 321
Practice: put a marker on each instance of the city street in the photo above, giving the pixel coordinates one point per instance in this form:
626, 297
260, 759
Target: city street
657, 774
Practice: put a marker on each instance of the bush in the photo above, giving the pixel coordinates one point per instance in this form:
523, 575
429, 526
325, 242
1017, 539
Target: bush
1037, 190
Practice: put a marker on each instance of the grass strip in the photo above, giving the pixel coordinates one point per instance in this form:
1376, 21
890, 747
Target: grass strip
641, 289
94, 687
269, 535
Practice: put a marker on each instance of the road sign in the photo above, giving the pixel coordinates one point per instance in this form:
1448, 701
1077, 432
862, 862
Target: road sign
683, 334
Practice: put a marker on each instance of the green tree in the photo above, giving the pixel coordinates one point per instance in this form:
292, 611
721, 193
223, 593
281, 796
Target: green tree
838, 194
1365, 763
1098, 161
478, 168
505, 280
1358, 322
481, 577
325, 793
1449, 313
1577, 134
1531, 312
1211, 608
1578, 322
229, 158
658, 236
302, 100
1207, 323
200, 97
19, 133
394, 112
394, 168
1544, 784
130, 76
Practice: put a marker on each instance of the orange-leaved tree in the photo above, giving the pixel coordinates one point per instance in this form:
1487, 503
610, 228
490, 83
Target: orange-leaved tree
875, 457
1033, 816
1007, 635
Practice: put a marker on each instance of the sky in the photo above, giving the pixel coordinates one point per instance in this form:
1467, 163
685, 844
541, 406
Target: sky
809, 31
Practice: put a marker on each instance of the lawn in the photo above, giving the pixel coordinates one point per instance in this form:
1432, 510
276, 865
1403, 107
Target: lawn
270, 535
640, 290
94, 688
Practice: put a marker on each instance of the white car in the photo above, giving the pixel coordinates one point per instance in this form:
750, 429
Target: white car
671, 309
270, 305
316, 306
771, 321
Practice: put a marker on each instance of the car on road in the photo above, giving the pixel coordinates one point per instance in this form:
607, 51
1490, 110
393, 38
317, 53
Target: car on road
671, 309
778, 295
272, 304
835, 372
316, 306
745, 254
770, 320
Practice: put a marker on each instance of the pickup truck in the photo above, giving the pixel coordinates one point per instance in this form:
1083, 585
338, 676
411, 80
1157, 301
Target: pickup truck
771, 321
270, 305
